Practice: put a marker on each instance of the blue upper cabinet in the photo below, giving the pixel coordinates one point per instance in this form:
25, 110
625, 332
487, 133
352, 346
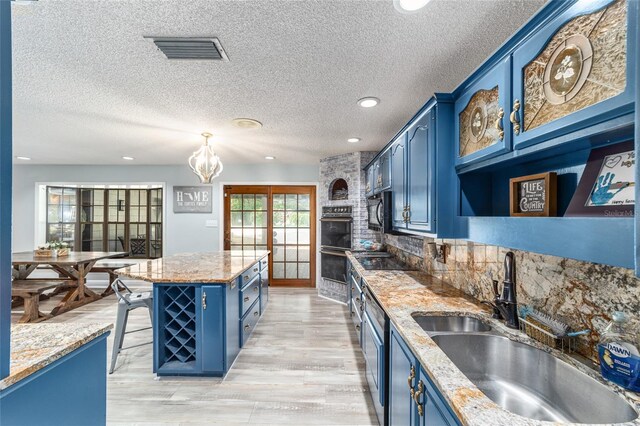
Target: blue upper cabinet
398, 154
481, 118
370, 181
382, 172
576, 71
420, 174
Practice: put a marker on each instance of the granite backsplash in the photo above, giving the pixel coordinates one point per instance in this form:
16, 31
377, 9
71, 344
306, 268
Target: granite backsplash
582, 294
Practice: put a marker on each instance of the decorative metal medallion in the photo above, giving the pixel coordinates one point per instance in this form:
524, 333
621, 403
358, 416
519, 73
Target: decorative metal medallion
478, 122
567, 69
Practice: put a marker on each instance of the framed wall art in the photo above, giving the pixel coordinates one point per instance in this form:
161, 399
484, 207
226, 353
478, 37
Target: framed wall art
607, 185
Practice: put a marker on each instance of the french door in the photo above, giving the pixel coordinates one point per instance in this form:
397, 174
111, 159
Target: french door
277, 218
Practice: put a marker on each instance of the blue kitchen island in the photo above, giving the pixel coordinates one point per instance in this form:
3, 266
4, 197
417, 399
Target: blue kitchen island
206, 306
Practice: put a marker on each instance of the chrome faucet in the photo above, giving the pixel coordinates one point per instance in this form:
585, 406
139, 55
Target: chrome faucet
505, 305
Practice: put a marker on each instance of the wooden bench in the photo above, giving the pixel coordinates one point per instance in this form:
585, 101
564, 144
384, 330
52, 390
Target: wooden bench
30, 291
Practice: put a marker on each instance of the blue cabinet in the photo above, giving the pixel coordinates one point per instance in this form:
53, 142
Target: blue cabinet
413, 399
420, 172
402, 380
369, 181
576, 71
373, 350
378, 174
199, 328
481, 128
398, 154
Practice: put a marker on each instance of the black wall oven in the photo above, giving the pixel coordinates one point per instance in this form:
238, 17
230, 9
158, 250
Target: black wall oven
336, 226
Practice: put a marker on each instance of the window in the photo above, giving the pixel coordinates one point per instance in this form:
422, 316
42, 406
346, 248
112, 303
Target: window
114, 219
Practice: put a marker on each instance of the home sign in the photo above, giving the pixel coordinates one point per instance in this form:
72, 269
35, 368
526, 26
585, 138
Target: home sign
192, 199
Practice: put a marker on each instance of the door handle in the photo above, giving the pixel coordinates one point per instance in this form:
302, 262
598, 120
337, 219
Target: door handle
204, 300
417, 396
499, 126
515, 117
412, 375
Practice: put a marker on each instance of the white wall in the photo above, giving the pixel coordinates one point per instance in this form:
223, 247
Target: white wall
183, 232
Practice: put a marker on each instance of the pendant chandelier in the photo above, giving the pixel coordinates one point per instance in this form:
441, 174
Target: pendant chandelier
204, 162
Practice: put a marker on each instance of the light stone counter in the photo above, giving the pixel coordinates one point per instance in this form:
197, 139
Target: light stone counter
402, 293
216, 267
35, 346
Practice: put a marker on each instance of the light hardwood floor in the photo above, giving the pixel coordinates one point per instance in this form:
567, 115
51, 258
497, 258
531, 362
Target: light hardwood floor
301, 366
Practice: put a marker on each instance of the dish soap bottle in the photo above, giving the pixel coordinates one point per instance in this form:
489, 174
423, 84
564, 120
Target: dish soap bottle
619, 355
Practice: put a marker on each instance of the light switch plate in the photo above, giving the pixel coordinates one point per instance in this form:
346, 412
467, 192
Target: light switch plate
211, 223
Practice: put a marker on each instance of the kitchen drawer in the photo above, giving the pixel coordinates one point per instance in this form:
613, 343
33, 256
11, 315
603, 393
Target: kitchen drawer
249, 321
249, 294
264, 263
250, 274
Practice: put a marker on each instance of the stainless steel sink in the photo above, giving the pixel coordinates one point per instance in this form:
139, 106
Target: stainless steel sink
439, 324
531, 382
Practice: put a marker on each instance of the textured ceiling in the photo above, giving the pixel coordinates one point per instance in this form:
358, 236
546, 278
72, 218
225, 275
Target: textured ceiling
89, 89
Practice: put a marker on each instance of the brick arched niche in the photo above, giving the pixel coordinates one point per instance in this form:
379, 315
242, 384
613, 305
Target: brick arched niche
339, 189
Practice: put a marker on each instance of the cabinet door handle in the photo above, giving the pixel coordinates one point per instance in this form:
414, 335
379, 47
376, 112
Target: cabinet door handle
515, 117
417, 396
255, 288
246, 328
357, 327
204, 300
412, 375
256, 313
246, 299
499, 126
255, 269
246, 277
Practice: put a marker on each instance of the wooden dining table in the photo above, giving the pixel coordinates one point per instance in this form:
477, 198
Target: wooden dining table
72, 270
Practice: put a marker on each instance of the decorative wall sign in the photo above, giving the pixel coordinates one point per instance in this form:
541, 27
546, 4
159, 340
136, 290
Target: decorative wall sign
607, 185
533, 195
192, 199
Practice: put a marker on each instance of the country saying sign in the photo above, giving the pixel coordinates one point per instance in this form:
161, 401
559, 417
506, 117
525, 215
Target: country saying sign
192, 199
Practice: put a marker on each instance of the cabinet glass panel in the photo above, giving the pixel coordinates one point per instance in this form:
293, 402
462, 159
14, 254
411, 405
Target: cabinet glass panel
477, 122
583, 64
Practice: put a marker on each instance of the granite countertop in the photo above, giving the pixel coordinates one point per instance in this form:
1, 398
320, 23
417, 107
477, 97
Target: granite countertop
402, 293
218, 267
34, 346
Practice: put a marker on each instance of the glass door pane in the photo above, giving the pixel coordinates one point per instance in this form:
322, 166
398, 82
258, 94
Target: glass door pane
276, 218
249, 221
291, 236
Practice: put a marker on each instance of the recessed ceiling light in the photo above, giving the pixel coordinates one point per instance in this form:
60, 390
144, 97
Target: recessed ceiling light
368, 102
353, 140
20, 157
128, 158
246, 123
408, 6
269, 157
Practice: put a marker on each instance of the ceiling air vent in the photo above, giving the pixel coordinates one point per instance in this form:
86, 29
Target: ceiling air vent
190, 48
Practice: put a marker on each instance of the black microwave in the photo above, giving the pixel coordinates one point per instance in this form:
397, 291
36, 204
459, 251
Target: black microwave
379, 212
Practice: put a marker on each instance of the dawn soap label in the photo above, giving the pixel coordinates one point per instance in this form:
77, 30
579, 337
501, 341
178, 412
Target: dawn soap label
620, 363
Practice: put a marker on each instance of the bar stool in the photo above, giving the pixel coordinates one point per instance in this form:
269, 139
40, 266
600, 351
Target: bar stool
128, 301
